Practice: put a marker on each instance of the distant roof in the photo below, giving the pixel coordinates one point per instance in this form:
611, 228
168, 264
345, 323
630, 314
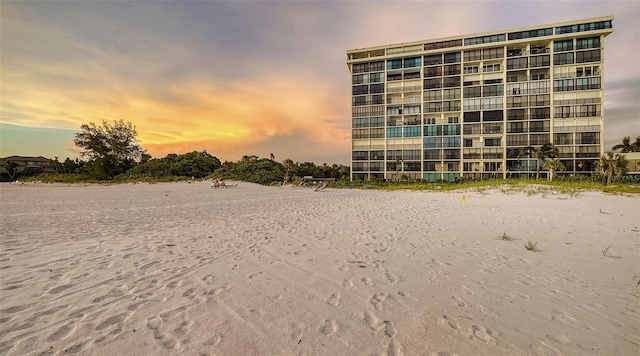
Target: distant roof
19, 159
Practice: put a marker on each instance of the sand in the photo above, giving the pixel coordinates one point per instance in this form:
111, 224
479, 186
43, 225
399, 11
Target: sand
183, 269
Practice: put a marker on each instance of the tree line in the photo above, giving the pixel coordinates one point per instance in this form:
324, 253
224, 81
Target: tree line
112, 151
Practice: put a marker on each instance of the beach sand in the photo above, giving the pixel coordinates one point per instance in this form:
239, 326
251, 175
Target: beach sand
183, 269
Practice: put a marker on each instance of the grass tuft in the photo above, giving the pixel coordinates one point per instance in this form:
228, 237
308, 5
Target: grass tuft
531, 246
505, 237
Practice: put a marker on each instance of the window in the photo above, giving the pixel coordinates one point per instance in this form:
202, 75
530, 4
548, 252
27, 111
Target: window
433, 107
492, 103
433, 95
449, 82
493, 90
432, 142
453, 119
433, 59
360, 133
491, 142
588, 56
495, 115
376, 77
530, 34
468, 142
484, 39
540, 113
539, 61
563, 58
377, 133
413, 109
491, 53
470, 69
474, 55
539, 126
394, 110
449, 94
394, 131
453, 57
430, 121
452, 69
433, 83
451, 105
430, 72
516, 63
433, 130
562, 46
491, 68
412, 131
376, 88
360, 89
592, 26
472, 92
359, 155
472, 116
588, 83
394, 64
360, 122
442, 44
472, 104
360, 79
538, 76
539, 100
411, 154
412, 62
451, 130
377, 121
562, 112
451, 142
394, 76
586, 43
563, 85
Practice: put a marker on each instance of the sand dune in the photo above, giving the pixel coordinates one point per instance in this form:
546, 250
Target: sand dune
183, 269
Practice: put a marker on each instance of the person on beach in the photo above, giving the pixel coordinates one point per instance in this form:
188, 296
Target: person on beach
215, 184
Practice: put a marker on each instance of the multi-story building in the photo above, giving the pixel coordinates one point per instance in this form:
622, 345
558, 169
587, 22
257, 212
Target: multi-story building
467, 106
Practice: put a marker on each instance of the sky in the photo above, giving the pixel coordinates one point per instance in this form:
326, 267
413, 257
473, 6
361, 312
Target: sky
239, 78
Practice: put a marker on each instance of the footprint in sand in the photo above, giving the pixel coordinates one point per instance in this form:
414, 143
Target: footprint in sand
334, 299
367, 281
389, 329
394, 349
449, 322
347, 283
391, 277
328, 327
481, 333
371, 319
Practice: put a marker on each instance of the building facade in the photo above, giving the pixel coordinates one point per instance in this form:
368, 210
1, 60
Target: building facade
467, 106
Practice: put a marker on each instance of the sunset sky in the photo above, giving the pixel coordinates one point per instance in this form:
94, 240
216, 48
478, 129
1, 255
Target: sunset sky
244, 77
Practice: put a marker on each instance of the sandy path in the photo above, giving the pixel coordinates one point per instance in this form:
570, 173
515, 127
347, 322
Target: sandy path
179, 268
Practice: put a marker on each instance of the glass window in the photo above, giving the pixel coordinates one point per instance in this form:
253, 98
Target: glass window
412, 62
394, 131
563, 58
562, 46
394, 64
453, 57
433, 59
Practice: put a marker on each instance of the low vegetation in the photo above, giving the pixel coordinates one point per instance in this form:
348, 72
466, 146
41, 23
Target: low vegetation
531, 246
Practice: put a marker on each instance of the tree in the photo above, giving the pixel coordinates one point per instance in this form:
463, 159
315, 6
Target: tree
11, 168
612, 163
288, 167
627, 146
548, 150
553, 165
111, 148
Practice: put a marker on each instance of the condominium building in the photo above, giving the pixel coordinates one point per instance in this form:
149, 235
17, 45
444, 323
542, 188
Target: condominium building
467, 106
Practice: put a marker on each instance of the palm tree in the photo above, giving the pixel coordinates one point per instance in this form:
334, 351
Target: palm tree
612, 163
627, 146
553, 165
548, 150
